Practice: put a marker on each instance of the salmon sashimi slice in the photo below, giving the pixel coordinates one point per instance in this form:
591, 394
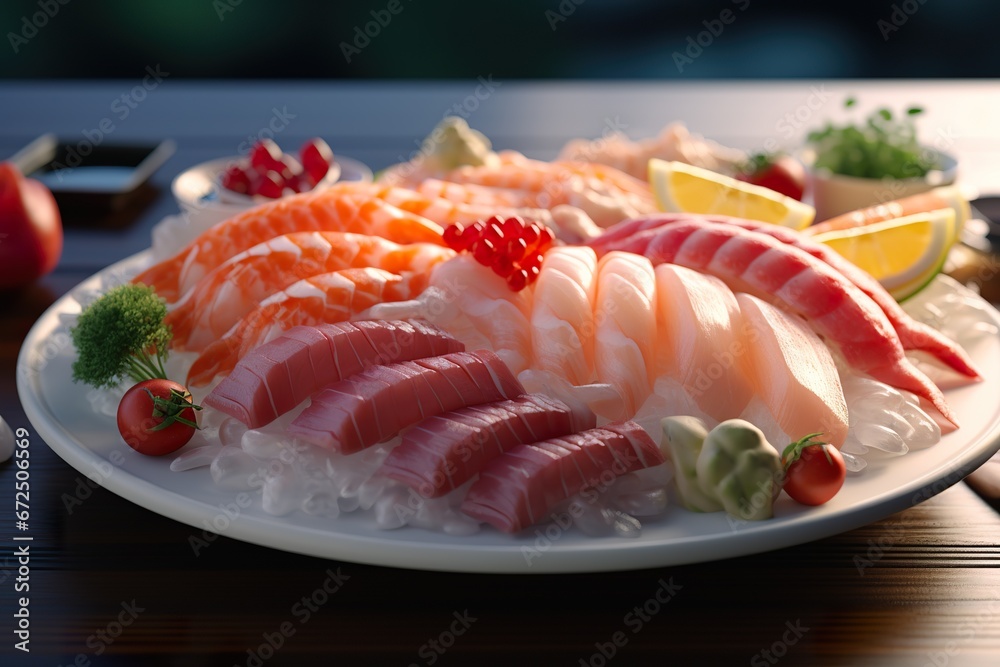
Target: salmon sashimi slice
948, 196
380, 401
780, 273
625, 319
522, 486
341, 208
235, 288
635, 235
793, 372
562, 313
699, 342
276, 376
444, 451
328, 297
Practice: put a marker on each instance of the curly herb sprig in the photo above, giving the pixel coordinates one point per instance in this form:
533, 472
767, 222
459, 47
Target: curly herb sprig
121, 334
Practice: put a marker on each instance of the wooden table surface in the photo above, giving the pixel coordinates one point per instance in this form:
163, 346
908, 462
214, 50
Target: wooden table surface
114, 584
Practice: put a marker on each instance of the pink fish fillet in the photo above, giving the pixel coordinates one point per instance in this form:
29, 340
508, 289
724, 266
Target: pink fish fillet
277, 376
443, 452
912, 334
377, 403
761, 265
520, 487
328, 297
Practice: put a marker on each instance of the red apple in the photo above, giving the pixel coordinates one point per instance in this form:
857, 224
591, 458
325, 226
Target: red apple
31, 235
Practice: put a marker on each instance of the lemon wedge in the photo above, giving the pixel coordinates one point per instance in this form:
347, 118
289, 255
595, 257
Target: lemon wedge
682, 188
903, 254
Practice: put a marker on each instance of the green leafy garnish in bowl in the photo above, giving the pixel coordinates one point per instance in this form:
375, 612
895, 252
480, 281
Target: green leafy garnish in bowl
883, 146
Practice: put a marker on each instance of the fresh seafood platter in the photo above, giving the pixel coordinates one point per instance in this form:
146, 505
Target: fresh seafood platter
483, 361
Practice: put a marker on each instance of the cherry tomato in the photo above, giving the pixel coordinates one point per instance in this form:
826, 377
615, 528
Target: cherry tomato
781, 173
148, 405
31, 233
814, 472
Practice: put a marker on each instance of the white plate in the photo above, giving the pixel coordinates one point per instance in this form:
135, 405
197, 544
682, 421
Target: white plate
91, 444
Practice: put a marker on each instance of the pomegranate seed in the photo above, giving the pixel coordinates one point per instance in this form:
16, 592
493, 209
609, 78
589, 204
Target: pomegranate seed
288, 167
300, 183
316, 158
518, 280
271, 185
236, 179
265, 156
453, 236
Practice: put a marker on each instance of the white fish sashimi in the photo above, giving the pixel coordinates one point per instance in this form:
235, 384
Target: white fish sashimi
794, 373
475, 305
626, 326
698, 341
562, 316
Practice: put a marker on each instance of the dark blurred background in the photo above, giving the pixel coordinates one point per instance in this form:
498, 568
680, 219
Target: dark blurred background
432, 39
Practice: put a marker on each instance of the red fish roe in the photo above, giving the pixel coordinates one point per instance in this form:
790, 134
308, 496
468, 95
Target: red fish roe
513, 247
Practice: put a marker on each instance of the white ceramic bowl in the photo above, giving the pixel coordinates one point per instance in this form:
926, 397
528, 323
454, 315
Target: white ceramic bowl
834, 194
202, 198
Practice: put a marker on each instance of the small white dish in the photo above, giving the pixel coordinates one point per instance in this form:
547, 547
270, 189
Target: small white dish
202, 198
834, 194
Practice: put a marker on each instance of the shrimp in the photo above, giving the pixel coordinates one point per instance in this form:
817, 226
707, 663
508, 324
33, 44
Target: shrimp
763, 266
470, 193
446, 212
625, 316
562, 315
912, 334
674, 142
335, 209
234, 288
328, 297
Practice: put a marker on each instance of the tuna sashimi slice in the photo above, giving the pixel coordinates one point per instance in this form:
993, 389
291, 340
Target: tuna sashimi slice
444, 451
794, 373
520, 488
698, 342
277, 376
375, 404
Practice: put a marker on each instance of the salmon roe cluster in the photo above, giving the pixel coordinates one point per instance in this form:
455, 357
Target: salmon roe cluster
512, 247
